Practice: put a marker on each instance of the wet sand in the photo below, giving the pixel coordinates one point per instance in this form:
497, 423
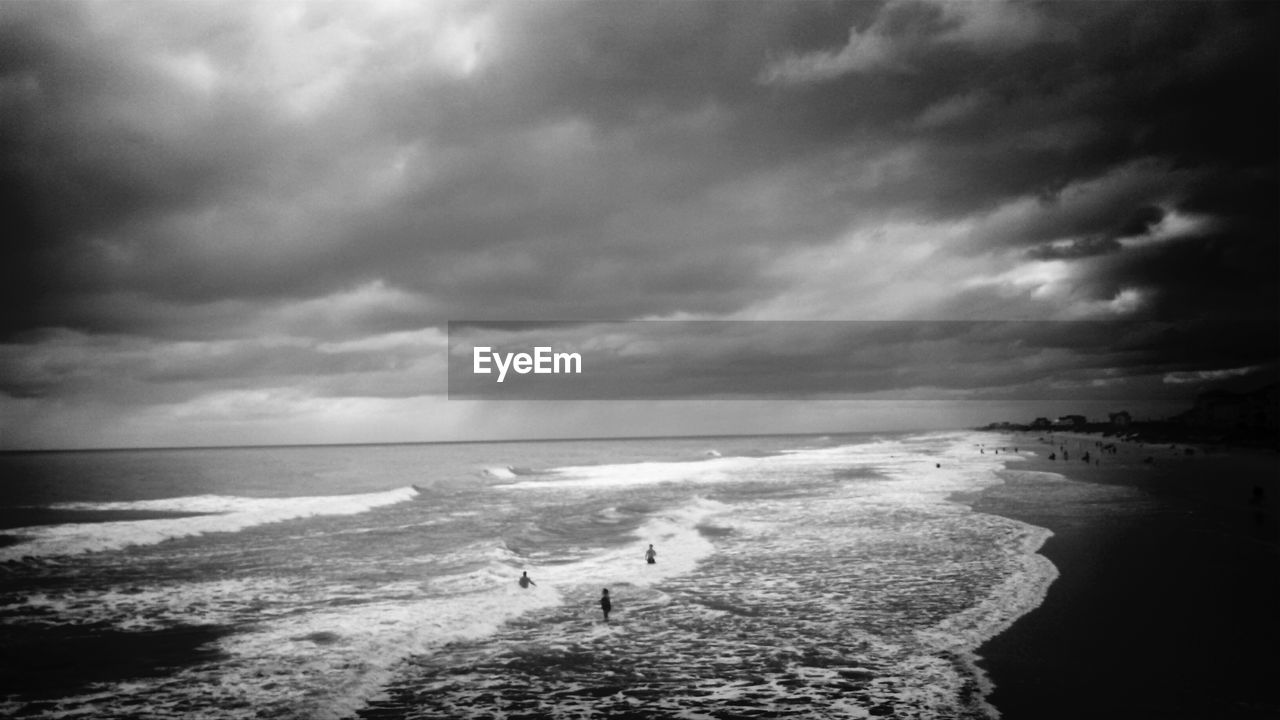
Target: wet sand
1168, 602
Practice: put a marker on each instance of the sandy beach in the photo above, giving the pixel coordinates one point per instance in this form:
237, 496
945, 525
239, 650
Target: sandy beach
1167, 603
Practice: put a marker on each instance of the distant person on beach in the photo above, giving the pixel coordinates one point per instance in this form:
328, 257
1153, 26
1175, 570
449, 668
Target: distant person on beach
525, 580
605, 605
650, 554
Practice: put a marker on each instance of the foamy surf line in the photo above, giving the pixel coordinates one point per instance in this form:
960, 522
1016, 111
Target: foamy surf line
375, 639
711, 469
344, 658
934, 467
322, 664
1023, 591
907, 453
215, 513
1018, 595
674, 531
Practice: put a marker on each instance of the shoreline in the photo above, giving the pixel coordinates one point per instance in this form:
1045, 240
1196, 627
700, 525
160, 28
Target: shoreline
1168, 588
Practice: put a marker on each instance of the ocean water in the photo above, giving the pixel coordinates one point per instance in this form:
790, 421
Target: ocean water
834, 576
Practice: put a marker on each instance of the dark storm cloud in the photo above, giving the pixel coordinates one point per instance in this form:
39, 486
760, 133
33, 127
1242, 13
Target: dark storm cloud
128, 180
271, 179
593, 146
1186, 90
1077, 248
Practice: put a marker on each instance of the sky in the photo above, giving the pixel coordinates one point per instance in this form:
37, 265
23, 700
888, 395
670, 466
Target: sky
238, 223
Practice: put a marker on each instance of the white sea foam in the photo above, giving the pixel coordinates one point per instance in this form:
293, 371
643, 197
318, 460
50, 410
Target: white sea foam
307, 650
675, 535
963, 466
342, 657
219, 514
644, 473
361, 644
231, 601
1023, 590
712, 469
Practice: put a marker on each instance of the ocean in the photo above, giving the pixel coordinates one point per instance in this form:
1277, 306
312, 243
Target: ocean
837, 576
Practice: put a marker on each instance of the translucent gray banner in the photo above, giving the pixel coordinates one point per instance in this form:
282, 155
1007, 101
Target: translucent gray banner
714, 359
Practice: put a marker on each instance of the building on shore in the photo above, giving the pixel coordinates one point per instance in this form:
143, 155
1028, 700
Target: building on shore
1120, 419
1226, 411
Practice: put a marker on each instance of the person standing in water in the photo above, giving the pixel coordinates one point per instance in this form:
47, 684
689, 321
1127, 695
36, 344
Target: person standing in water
650, 554
605, 605
525, 580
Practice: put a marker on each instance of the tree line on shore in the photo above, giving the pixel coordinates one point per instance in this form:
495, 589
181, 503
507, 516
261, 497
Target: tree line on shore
1219, 417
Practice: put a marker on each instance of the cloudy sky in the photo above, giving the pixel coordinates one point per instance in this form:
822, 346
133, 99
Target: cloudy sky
251, 222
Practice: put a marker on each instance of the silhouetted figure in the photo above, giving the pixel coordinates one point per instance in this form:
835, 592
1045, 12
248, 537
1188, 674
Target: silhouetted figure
650, 555
605, 605
525, 580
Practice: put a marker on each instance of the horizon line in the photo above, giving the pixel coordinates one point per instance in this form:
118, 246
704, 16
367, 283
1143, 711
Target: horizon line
393, 443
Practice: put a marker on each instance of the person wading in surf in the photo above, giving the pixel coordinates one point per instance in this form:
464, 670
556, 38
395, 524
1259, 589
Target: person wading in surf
650, 554
605, 605
525, 580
